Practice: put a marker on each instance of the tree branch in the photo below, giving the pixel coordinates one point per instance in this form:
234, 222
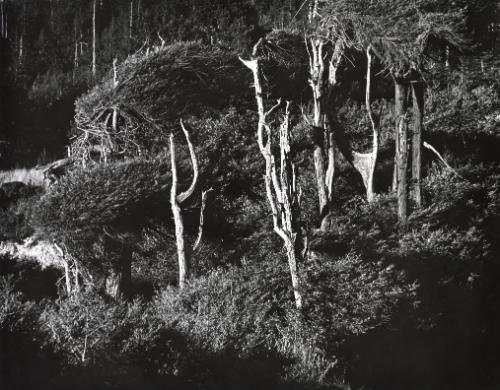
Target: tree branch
194, 162
432, 149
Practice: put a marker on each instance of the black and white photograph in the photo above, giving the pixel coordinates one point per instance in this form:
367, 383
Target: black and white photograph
250, 194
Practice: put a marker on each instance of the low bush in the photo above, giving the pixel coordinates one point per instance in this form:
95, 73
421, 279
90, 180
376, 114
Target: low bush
248, 311
25, 362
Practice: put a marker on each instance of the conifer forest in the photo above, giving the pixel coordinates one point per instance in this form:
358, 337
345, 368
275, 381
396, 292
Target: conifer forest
250, 194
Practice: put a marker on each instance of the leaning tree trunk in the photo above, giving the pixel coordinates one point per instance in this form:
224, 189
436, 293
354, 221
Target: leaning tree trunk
281, 187
401, 160
416, 161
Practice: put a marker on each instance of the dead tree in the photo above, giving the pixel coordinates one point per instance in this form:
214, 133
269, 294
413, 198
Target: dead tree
281, 186
321, 135
364, 163
323, 84
75, 55
202, 219
368, 161
176, 201
401, 145
416, 160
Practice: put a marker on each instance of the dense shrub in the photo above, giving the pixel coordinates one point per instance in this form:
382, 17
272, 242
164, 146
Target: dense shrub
24, 361
154, 91
77, 210
247, 311
86, 329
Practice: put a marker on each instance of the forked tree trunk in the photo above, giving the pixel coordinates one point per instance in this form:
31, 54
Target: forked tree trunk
322, 136
182, 256
316, 81
313, 10
401, 159
281, 186
183, 252
416, 161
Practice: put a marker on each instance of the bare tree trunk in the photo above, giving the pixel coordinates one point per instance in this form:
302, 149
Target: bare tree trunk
21, 39
94, 69
370, 193
20, 54
364, 163
416, 161
290, 213
178, 221
202, 219
395, 164
281, 188
75, 58
177, 200
313, 10
81, 42
115, 85
401, 92
316, 81
131, 20
322, 136
400, 105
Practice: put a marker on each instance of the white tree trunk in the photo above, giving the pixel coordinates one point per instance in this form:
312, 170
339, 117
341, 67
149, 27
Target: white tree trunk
281, 190
322, 136
202, 218
177, 200
178, 221
370, 193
